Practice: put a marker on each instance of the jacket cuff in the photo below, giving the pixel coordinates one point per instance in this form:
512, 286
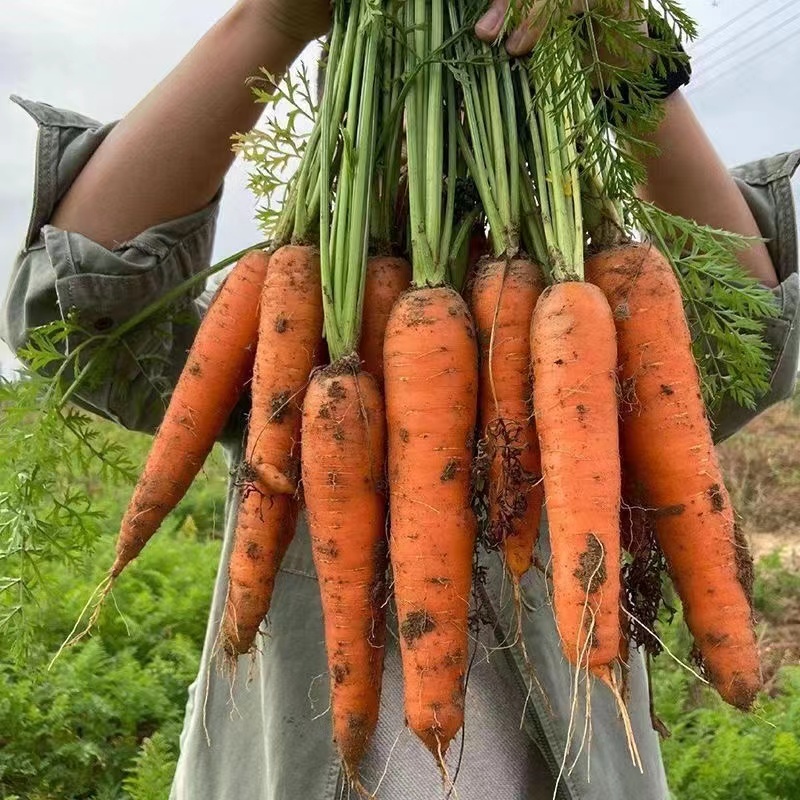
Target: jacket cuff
766, 186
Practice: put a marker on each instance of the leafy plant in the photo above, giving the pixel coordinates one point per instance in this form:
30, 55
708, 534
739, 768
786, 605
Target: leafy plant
151, 775
714, 751
77, 727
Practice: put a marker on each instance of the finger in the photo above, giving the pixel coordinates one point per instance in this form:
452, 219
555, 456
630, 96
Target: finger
488, 27
523, 38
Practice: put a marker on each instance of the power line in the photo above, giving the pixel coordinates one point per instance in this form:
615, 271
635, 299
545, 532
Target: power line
735, 67
745, 31
726, 25
738, 52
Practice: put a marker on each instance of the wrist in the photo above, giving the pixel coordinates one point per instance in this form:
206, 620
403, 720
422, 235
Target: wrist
296, 26
278, 41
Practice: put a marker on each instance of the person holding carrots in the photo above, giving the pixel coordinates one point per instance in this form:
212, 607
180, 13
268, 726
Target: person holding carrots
124, 212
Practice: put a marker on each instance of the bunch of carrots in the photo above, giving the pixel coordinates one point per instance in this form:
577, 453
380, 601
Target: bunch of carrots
375, 383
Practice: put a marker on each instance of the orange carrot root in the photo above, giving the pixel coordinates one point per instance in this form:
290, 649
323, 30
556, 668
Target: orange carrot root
344, 447
667, 444
504, 295
264, 529
290, 330
575, 403
219, 365
386, 279
289, 334
431, 377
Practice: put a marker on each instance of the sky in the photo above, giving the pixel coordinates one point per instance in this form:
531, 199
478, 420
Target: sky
100, 58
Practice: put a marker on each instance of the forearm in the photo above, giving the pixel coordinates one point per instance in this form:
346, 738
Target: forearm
169, 155
687, 177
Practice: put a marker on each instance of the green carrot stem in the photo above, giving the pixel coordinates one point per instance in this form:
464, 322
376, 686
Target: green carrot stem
512, 154
452, 170
537, 160
497, 143
423, 266
340, 86
434, 139
326, 272
358, 227
458, 259
531, 222
484, 190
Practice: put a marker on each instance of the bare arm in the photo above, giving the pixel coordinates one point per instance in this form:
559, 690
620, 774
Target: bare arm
688, 178
169, 155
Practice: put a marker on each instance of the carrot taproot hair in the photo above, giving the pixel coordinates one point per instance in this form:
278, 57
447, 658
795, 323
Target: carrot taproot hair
668, 446
344, 449
504, 295
573, 344
387, 277
431, 376
289, 336
219, 364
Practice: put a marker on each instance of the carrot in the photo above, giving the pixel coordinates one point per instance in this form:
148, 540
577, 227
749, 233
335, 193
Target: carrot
386, 279
219, 365
264, 529
667, 444
289, 335
575, 403
430, 361
344, 447
290, 329
504, 295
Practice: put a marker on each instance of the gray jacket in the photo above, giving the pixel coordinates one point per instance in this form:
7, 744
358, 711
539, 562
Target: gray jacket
267, 735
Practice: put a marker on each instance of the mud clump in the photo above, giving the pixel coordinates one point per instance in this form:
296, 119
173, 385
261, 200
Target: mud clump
415, 626
591, 571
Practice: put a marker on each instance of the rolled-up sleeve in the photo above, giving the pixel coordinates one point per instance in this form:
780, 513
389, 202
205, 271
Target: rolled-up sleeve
58, 273
766, 186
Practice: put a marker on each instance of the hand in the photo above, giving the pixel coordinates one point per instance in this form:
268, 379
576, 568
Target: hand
523, 38
299, 21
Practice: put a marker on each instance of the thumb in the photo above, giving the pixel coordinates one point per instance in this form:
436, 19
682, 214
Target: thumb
488, 27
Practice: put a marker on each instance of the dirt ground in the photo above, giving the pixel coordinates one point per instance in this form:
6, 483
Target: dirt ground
762, 469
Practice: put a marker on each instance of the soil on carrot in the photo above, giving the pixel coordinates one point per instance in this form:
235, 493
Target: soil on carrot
245, 474
416, 625
336, 391
591, 571
327, 549
715, 495
340, 673
416, 309
745, 570
449, 471
279, 406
